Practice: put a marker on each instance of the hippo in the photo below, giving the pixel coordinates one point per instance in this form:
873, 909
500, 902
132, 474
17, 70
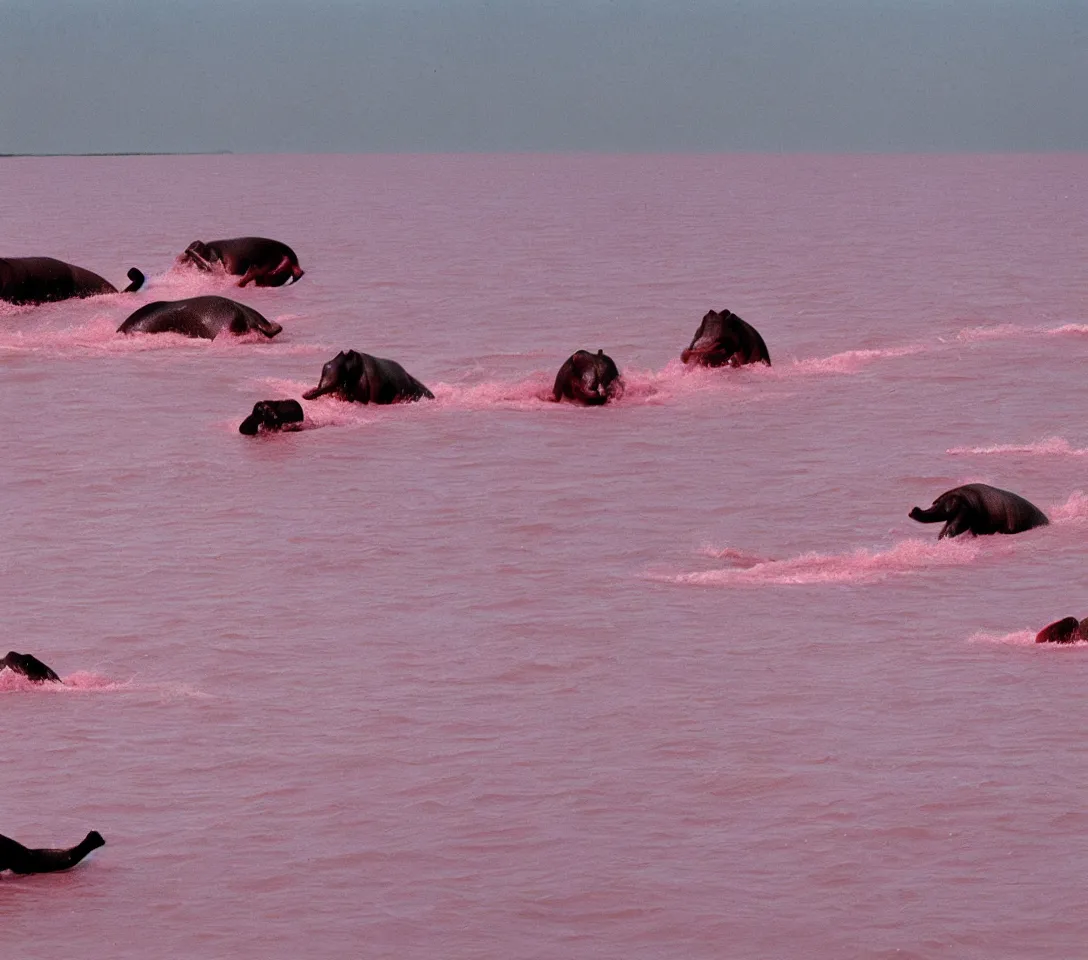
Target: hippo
724, 340
34, 280
19, 859
272, 415
591, 379
980, 509
203, 317
258, 260
361, 378
29, 666
1066, 630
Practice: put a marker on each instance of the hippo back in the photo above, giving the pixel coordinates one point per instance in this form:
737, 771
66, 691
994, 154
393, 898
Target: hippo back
1000, 511
169, 316
388, 382
1066, 630
45, 279
241, 253
203, 317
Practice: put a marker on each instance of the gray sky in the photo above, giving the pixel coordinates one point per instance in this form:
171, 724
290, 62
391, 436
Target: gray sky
483, 75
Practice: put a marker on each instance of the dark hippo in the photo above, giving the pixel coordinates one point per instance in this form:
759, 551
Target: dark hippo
1066, 630
361, 378
29, 280
203, 317
29, 666
588, 378
272, 415
980, 509
724, 340
267, 263
19, 859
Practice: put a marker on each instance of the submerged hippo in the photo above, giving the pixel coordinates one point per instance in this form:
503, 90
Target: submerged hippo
203, 317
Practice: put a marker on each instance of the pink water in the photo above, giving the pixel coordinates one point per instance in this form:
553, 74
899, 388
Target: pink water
491, 677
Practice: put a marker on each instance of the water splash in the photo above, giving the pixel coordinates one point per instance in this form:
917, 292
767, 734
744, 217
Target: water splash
99, 335
181, 282
1074, 510
1018, 638
526, 393
850, 361
738, 558
858, 566
11, 682
1000, 331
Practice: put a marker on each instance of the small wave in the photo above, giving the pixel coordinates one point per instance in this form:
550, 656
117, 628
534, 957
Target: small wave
86, 681
739, 558
859, 566
1017, 638
1012, 331
1048, 447
850, 361
1074, 510
1001, 331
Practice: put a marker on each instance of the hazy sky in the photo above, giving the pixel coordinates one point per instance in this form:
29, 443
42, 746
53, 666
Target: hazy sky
438, 75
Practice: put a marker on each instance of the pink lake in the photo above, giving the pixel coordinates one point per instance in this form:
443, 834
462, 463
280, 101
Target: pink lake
490, 677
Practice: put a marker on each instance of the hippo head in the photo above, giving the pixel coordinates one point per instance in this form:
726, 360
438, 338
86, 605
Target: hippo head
953, 507
945, 507
600, 379
246, 320
199, 254
272, 415
268, 327
343, 375
708, 338
92, 841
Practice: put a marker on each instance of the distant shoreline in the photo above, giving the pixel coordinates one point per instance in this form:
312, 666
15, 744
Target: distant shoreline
129, 153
